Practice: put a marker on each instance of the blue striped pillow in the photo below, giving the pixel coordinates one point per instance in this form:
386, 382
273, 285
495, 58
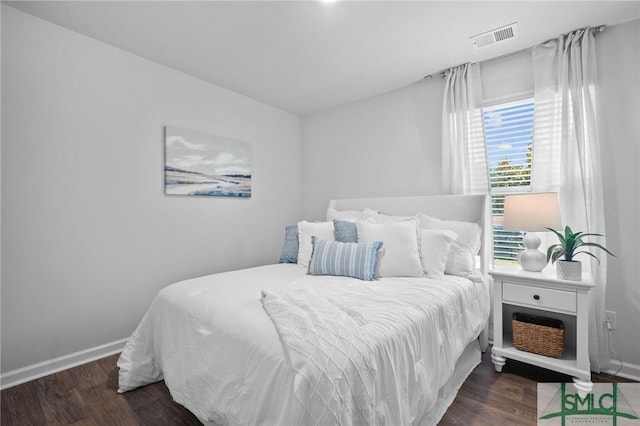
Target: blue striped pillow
356, 260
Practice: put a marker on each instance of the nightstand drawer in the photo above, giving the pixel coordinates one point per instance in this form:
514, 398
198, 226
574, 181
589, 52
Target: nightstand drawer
539, 297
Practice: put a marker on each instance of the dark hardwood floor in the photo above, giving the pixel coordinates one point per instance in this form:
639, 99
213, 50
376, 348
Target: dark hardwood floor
86, 395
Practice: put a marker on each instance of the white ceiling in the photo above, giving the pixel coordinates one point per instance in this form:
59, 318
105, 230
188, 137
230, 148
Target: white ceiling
308, 56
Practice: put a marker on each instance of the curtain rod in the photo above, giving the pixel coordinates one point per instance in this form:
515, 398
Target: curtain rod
443, 73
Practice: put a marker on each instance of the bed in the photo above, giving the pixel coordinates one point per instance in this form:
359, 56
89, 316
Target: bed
278, 345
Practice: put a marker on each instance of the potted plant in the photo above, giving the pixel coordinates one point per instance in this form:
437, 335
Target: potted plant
571, 244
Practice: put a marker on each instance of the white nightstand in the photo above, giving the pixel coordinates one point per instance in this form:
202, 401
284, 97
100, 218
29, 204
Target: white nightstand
541, 293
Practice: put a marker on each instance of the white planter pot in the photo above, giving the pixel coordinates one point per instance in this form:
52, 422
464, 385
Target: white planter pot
569, 270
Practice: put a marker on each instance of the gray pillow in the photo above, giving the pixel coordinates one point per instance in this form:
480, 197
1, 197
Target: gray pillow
345, 231
289, 252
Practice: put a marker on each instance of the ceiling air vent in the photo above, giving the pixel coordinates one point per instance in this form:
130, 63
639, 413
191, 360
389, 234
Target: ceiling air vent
495, 36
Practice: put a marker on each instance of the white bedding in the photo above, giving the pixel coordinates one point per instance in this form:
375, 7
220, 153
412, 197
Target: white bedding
221, 356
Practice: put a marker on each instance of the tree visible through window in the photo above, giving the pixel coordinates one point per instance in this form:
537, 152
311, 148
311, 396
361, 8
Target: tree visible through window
508, 132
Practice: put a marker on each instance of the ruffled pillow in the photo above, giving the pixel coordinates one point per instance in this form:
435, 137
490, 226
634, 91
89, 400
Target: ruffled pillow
460, 260
434, 248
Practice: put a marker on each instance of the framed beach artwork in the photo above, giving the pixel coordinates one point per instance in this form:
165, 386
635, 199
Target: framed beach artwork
197, 163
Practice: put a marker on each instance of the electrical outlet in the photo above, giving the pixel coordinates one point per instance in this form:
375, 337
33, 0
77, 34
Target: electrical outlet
610, 317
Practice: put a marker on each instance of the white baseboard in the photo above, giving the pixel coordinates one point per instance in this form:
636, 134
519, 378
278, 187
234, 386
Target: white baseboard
628, 370
41, 369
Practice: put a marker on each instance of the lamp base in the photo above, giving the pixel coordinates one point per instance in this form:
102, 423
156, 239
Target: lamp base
531, 259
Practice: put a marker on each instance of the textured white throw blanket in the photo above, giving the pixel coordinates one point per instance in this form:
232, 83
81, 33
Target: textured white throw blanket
328, 350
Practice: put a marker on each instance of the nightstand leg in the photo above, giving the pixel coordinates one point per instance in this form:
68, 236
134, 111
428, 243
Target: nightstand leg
498, 361
582, 386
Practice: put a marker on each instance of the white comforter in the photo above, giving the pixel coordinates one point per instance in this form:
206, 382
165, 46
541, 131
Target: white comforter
222, 358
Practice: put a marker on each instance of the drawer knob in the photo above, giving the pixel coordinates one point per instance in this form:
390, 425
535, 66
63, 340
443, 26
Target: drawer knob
536, 297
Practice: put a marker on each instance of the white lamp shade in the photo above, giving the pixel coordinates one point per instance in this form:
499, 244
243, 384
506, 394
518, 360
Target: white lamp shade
533, 212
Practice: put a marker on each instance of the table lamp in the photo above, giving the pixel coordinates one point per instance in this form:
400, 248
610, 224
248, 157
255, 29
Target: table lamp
533, 212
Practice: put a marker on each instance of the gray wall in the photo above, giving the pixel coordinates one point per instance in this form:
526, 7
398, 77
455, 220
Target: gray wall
390, 145
619, 78
88, 237
387, 145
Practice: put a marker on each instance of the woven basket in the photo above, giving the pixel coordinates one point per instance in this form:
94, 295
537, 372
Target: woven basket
540, 335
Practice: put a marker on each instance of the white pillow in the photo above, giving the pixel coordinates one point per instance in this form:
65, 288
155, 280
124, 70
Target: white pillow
434, 250
463, 249
306, 230
373, 216
399, 255
349, 215
460, 261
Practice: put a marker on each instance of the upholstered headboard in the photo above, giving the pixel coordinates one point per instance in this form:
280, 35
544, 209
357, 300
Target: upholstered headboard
468, 208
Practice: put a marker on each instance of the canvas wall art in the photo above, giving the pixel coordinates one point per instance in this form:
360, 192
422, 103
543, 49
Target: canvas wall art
197, 163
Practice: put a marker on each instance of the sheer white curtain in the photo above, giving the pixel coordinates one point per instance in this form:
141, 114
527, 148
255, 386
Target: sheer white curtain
566, 156
464, 159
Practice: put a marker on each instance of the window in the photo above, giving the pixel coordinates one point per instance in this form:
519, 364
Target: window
508, 132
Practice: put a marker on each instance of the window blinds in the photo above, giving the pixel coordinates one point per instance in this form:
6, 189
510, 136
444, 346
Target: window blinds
508, 134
